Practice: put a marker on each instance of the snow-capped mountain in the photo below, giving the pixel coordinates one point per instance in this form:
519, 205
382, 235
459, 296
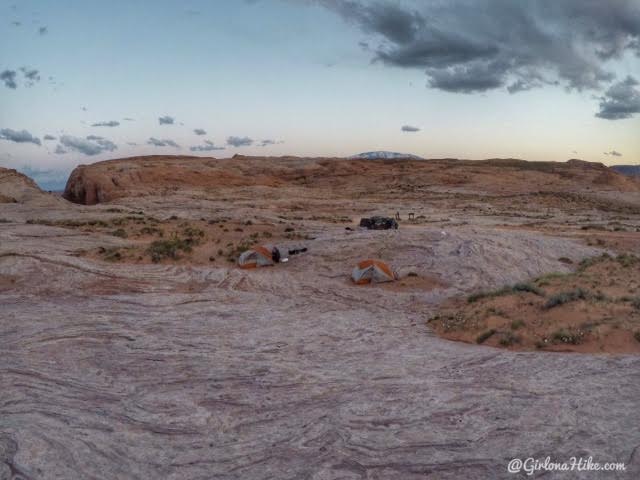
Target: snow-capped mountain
385, 155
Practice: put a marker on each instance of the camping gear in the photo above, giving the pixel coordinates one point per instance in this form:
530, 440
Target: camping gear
258, 256
379, 223
372, 271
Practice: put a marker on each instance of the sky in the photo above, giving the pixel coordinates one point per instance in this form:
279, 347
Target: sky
83, 81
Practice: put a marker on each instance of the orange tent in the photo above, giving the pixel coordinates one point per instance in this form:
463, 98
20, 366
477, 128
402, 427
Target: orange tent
373, 271
258, 256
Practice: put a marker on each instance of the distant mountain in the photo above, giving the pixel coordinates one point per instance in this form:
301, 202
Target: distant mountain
385, 155
631, 170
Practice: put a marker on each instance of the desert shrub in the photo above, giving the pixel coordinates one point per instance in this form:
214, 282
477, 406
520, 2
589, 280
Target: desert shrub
566, 260
636, 335
151, 231
635, 303
518, 287
509, 339
527, 287
627, 260
564, 336
412, 274
193, 232
119, 233
588, 262
516, 324
483, 337
161, 249
4, 220
288, 229
111, 254
566, 297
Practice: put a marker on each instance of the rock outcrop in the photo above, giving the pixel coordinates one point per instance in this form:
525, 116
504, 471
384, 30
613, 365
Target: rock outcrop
16, 187
132, 177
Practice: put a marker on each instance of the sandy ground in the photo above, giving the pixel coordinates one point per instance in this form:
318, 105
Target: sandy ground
196, 369
592, 310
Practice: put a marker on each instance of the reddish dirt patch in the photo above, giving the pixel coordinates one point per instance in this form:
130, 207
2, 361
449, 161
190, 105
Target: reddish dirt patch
595, 309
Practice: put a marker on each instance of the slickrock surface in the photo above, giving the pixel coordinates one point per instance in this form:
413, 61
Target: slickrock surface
192, 369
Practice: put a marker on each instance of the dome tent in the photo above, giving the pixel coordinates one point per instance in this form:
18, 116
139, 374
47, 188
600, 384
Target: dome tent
372, 271
258, 256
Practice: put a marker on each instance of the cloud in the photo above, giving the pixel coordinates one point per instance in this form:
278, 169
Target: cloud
207, 147
239, 141
268, 142
59, 150
90, 145
475, 46
409, 128
18, 136
613, 153
31, 75
199, 131
49, 137
9, 78
129, 119
621, 100
43, 30
110, 123
166, 120
162, 143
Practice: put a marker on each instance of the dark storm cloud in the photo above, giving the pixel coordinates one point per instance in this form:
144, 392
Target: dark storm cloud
239, 141
90, 145
49, 137
162, 143
18, 136
621, 100
199, 131
110, 123
476, 46
166, 120
207, 147
409, 128
613, 153
8, 77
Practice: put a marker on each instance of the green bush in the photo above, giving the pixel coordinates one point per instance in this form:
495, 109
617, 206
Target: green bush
162, 249
483, 337
509, 339
563, 336
516, 324
566, 297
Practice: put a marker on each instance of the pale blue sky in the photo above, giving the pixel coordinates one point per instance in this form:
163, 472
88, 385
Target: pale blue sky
293, 72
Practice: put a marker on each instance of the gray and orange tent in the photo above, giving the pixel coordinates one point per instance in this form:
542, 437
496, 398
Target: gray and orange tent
373, 271
258, 256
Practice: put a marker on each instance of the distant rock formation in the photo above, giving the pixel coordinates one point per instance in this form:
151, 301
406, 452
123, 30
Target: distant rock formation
161, 175
16, 187
630, 170
385, 155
